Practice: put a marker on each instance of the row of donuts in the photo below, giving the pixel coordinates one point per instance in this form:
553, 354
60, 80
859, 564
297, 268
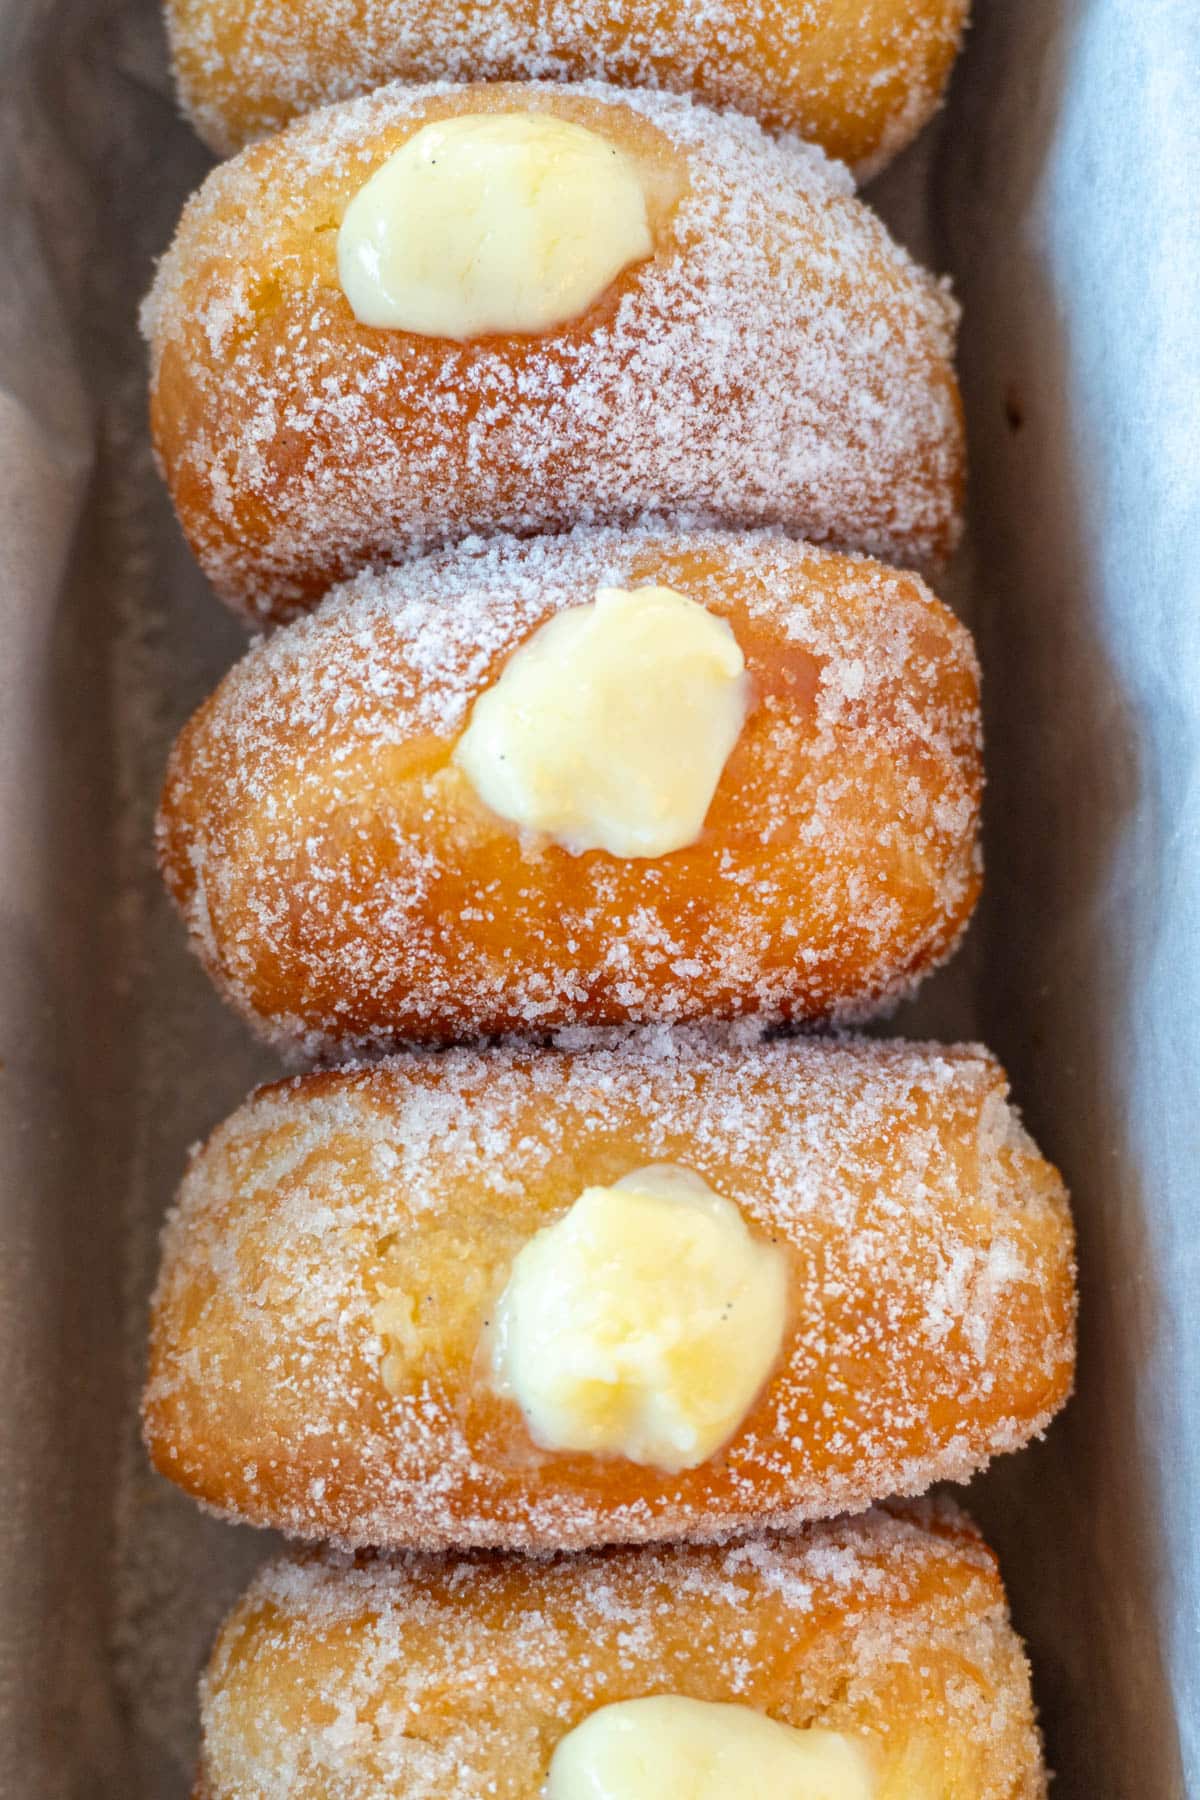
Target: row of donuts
693, 1285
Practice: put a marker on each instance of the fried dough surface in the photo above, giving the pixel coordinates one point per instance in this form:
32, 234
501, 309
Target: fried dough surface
316, 1359
346, 888
858, 77
418, 1680
778, 360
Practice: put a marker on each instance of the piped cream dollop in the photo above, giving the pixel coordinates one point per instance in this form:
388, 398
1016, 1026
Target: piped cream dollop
643, 1323
701, 1750
610, 728
492, 222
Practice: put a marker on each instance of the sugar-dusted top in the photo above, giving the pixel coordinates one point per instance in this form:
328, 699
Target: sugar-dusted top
404, 650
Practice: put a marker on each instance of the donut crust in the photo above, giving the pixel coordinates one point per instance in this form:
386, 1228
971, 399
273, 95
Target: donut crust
345, 887
778, 360
931, 1286
450, 1680
858, 78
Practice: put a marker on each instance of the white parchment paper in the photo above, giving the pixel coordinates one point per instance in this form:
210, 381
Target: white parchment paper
1071, 209
1060, 188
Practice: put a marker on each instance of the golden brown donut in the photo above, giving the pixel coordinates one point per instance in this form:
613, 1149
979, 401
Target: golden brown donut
344, 884
391, 1680
777, 360
339, 1244
858, 77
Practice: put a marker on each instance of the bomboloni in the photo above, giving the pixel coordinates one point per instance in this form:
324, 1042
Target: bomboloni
600, 779
422, 314
675, 1287
859, 80
869, 1659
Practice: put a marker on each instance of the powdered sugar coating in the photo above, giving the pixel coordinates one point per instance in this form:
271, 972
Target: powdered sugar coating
456, 1680
346, 888
931, 1312
859, 80
778, 361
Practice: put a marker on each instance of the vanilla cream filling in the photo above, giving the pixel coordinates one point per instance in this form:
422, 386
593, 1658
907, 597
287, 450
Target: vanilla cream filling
643, 1323
669, 1748
610, 728
492, 223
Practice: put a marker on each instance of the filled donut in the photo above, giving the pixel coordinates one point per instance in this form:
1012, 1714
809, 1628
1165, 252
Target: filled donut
860, 79
438, 311
678, 1286
601, 778
868, 1659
